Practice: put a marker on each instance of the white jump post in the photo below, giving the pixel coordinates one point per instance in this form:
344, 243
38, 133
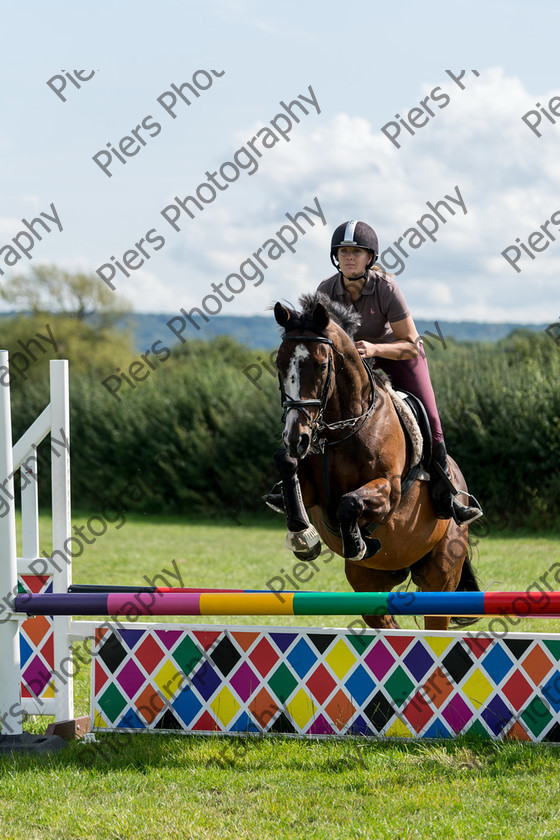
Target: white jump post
54, 419
9, 637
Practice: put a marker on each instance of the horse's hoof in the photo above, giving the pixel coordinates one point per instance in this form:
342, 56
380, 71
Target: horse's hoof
307, 556
306, 544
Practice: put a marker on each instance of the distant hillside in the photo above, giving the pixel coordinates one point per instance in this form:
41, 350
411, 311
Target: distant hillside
261, 332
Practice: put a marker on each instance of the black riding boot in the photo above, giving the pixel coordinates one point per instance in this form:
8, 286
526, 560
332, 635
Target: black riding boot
444, 494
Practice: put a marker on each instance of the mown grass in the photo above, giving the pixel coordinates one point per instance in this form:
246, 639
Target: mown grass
147, 786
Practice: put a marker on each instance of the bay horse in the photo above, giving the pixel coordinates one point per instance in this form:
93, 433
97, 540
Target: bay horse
345, 461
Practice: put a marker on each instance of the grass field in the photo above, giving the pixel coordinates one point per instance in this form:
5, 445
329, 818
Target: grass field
161, 786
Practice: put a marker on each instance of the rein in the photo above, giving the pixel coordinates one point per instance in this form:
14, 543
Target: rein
318, 426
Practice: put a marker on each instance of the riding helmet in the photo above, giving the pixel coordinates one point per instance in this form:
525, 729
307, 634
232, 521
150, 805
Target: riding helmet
354, 234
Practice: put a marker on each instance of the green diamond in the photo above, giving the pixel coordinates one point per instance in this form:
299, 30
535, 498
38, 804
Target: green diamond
399, 686
554, 648
282, 683
112, 702
360, 643
477, 730
187, 654
536, 716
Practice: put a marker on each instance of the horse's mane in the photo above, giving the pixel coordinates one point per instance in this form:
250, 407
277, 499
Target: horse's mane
345, 316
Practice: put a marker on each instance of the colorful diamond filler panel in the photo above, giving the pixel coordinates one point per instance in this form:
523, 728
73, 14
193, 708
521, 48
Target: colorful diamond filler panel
316, 683
36, 643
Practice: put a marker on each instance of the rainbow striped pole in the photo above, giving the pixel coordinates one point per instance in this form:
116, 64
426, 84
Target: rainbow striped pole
294, 603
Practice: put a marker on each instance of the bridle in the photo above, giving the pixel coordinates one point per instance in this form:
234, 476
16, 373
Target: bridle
317, 424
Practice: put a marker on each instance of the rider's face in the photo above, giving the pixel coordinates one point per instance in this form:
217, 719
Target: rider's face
353, 261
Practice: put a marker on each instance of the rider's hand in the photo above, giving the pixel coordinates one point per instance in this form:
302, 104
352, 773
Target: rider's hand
366, 349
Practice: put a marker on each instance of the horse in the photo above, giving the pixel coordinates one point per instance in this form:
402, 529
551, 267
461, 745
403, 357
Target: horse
345, 464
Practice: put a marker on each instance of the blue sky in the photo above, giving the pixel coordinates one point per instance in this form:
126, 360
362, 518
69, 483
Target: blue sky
365, 63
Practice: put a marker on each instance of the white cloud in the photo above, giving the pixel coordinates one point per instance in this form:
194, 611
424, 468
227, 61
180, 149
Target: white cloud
508, 178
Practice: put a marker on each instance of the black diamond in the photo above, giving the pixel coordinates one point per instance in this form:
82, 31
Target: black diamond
321, 640
112, 652
225, 655
457, 662
282, 725
517, 646
553, 734
379, 711
168, 721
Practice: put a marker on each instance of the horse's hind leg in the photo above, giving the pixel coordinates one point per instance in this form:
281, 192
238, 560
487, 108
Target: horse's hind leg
362, 579
440, 569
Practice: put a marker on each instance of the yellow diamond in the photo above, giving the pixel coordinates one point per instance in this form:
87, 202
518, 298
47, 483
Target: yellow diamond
438, 643
225, 706
169, 680
99, 721
477, 688
399, 730
48, 691
340, 659
301, 708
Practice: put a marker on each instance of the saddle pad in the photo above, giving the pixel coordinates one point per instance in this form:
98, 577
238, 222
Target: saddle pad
409, 422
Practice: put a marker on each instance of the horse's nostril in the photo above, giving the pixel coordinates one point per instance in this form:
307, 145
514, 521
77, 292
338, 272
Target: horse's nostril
303, 445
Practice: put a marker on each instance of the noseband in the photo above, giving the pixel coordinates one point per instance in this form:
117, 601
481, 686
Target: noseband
317, 423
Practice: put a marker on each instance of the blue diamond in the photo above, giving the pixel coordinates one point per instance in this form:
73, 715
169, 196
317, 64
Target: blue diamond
301, 658
186, 705
360, 685
497, 663
437, 730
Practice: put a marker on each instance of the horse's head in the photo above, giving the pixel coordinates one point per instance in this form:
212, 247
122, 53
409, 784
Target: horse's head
307, 365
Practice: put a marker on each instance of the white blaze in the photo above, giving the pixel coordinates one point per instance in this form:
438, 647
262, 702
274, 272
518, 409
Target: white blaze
292, 383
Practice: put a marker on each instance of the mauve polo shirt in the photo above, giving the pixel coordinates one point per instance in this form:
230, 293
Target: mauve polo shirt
380, 302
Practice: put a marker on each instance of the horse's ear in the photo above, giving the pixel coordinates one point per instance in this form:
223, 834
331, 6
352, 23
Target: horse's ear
321, 316
282, 314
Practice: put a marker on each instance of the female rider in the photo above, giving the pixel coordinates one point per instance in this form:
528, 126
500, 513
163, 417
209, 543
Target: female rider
388, 333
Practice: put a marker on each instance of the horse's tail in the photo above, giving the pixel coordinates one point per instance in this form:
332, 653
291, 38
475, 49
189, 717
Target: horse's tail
468, 582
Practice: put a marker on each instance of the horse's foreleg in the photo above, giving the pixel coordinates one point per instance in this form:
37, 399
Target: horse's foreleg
374, 502
302, 537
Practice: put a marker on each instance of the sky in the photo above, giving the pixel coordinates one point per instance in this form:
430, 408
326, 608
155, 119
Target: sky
460, 76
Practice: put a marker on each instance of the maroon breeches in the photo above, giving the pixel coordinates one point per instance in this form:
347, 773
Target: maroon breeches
413, 375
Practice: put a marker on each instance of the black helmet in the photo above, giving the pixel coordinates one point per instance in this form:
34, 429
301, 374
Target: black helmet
356, 234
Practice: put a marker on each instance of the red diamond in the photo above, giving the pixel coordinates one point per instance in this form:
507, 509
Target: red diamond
263, 657
418, 712
149, 654
320, 683
399, 643
517, 690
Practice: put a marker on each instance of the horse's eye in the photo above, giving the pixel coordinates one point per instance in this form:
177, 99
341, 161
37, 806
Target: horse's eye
324, 367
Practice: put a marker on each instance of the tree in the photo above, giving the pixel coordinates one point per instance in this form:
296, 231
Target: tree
50, 289
83, 316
